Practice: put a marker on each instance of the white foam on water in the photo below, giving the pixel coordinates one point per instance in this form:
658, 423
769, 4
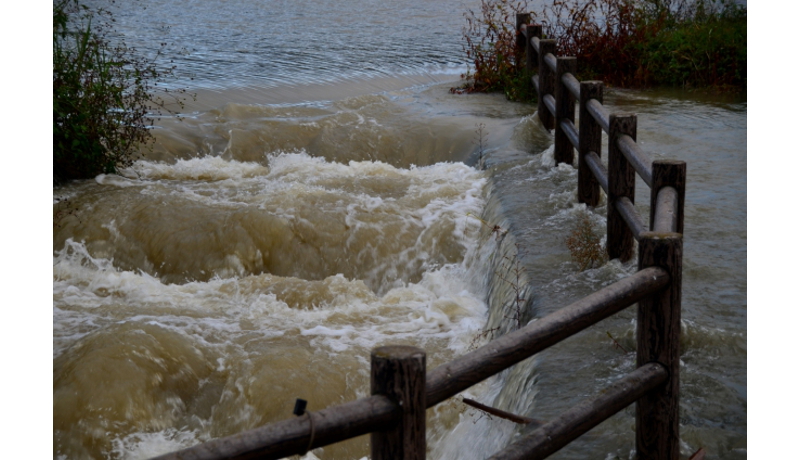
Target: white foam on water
145, 445
206, 168
232, 322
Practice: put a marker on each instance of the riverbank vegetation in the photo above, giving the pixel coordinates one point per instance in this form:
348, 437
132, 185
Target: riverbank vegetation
628, 43
105, 96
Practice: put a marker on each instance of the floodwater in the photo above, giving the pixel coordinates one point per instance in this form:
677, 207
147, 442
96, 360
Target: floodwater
326, 194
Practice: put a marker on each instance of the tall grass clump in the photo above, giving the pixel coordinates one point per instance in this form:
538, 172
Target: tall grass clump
626, 43
104, 95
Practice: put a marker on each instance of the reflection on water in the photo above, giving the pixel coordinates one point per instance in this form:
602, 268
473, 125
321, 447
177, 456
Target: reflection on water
264, 44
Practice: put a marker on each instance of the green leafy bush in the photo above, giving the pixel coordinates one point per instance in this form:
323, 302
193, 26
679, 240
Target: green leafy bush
639, 43
103, 94
708, 48
628, 43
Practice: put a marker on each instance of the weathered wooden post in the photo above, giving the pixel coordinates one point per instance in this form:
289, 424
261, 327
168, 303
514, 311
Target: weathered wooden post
532, 61
668, 173
658, 337
522, 18
621, 183
589, 140
547, 81
565, 110
398, 372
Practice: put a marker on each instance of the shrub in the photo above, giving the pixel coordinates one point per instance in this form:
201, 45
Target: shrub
639, 43
584, 245
629, 43
103, 94
490, 46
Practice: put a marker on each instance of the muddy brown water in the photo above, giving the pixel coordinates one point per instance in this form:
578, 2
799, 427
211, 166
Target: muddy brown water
324, 196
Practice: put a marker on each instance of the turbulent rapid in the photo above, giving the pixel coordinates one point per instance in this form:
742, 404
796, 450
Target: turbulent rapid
326, 194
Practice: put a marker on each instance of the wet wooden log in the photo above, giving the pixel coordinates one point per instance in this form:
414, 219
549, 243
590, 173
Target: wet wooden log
666, 212
521, 47
631, 216
552, 62
668, 173
501, 413
572, 84
640, 161
581, 418
565, 110
550, 104
589, 140
533, 34
598, 170
621, 183
599, 113
398, 372
569, 130
547, 82
450, 378
293, 436
658, 340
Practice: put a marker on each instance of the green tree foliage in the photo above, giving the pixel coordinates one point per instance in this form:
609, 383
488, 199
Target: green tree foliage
104, 96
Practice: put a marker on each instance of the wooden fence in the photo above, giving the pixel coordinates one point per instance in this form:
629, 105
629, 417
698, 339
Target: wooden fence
401, 390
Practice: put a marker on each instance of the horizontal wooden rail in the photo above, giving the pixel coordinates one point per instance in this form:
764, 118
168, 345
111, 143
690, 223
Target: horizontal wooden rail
535, 81
550, 60
599, 113
455, 376
598, 170
669, 173
550, 102
572, 84
666, 215
583, 417
631, 216
535, 43
293, 436
571, 132
640, 161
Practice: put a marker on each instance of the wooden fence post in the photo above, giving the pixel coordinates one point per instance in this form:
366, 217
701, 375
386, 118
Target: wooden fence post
398, 372
522, 18
532, 60
565, 110
547, 82
589, 140
621, 183
668, 173
658, 337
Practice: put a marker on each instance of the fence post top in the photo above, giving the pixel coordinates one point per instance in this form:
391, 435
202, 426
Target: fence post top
398, 352
660, 236
669, 162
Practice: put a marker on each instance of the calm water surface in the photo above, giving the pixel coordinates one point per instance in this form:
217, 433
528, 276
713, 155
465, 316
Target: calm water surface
323, 196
